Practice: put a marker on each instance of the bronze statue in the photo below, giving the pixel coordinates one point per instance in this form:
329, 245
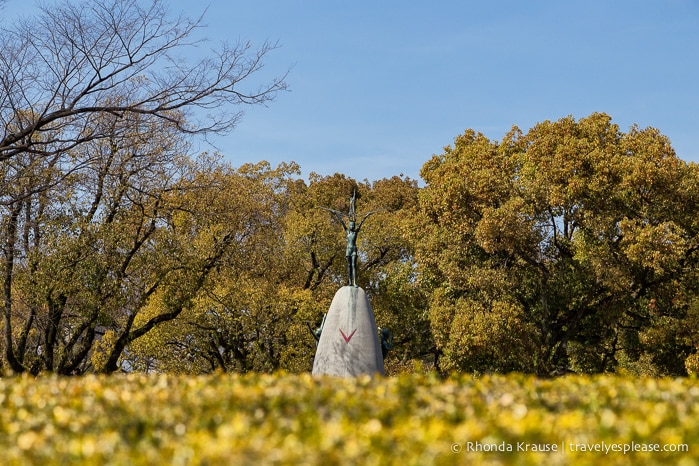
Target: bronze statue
316, 333
386, 337
351, 230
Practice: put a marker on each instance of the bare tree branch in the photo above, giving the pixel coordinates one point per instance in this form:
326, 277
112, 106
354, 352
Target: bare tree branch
73, 62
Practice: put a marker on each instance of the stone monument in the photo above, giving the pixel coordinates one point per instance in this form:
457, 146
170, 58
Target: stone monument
349, 341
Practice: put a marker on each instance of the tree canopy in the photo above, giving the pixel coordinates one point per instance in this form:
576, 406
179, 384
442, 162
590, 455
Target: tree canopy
570, 247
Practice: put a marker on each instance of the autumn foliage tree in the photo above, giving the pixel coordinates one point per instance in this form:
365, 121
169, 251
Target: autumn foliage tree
95, 101
570, 247
279, 278
239, 318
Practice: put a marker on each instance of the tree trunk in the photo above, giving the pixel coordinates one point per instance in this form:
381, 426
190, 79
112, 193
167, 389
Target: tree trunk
15, 364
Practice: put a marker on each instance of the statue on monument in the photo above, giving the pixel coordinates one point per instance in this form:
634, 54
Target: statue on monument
349, 343
351, 230
386, 337
317, 332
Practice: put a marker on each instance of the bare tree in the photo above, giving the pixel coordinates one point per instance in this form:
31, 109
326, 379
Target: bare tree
70, 63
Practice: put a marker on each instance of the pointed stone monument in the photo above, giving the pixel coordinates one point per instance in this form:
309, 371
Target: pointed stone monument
349, 341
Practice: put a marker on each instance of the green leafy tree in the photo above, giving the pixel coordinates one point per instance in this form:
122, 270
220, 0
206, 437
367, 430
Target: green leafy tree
571, 247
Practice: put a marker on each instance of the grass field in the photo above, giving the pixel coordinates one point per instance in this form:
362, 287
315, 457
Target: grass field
298, 419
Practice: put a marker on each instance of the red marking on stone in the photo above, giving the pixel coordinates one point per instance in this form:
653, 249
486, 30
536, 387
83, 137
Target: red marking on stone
347, 338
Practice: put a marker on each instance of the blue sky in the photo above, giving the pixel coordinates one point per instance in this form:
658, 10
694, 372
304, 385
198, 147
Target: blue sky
378, 87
